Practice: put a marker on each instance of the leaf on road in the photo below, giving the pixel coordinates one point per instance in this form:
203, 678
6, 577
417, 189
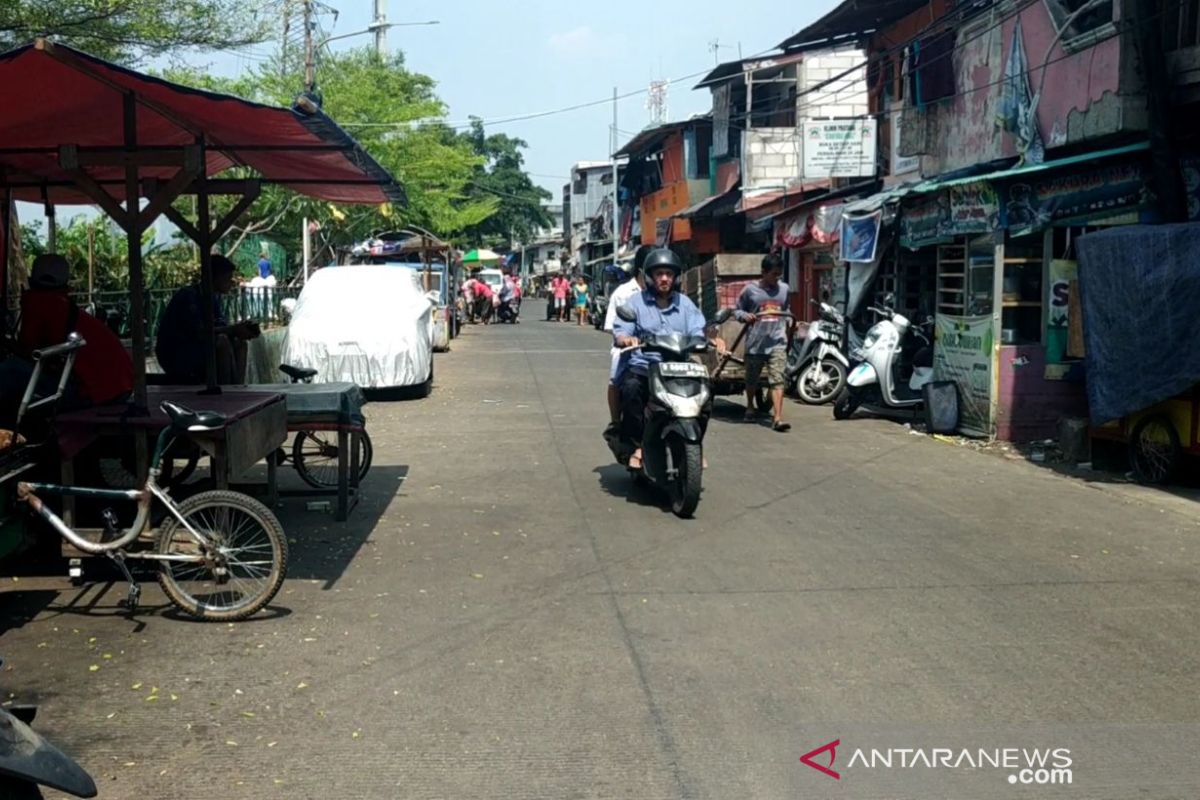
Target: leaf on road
94, 668
248, 714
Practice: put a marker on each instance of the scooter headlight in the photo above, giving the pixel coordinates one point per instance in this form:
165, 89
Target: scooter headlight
682, 387
869, 341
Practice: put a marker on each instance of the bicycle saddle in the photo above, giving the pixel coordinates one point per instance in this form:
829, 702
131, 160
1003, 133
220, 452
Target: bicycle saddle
184, 419
297, 373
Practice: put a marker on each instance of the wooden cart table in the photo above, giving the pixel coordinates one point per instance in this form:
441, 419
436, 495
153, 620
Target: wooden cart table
255, 427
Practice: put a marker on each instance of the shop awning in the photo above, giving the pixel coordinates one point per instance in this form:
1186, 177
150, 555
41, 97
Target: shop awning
723, 73
64, 107
936, 184
716, 206
651, 138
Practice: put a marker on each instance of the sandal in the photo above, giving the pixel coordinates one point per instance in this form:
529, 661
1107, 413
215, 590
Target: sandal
782, 427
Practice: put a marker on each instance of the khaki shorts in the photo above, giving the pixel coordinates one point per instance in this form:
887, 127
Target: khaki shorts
775, 363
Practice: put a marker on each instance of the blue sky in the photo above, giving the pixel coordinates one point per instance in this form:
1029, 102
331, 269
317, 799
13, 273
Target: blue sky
495, 60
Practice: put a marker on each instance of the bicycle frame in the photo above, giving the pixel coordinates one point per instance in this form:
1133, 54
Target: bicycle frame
28, 493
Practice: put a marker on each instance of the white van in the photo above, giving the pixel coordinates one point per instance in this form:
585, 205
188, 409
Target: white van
494, 278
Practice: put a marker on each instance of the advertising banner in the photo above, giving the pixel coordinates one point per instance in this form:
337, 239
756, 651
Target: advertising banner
1033, 204
839, 148
860, 237
974, 208
962, 352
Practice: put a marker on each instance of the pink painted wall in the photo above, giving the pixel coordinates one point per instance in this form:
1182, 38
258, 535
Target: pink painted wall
968, 133
1030, 405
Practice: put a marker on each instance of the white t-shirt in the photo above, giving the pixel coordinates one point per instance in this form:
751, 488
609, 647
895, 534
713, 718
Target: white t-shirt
622, 293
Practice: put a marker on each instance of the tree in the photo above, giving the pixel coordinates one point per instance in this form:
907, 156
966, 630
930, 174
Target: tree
130, 31
503, 177
380, 102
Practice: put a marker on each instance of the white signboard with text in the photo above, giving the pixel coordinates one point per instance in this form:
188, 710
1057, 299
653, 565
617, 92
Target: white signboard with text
839, 148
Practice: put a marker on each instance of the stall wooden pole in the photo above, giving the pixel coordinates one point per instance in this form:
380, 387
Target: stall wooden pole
133, 233
5, 250
204, 226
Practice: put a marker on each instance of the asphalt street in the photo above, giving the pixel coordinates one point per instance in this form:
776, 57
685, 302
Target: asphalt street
506, 616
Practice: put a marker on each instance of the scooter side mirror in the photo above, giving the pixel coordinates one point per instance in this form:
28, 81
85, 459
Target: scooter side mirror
722, 316
626, 313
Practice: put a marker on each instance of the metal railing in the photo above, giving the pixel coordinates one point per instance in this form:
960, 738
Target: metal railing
259, 304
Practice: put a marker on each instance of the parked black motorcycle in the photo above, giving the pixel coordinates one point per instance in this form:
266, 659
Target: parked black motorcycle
28, 761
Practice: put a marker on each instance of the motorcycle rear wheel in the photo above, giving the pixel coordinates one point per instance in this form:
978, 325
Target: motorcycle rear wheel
688, 465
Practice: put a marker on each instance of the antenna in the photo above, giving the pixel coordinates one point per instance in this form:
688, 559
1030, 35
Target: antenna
656, 102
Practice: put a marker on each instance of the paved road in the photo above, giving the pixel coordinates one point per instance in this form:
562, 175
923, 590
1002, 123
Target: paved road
505, 618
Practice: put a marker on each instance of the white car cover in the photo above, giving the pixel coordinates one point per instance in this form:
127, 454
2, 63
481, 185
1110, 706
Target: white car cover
369, 325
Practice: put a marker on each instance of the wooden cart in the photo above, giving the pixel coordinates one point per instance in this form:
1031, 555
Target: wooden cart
1158, 437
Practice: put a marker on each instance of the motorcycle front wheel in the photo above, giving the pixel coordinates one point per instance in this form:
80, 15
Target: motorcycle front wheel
821, 382
688, 468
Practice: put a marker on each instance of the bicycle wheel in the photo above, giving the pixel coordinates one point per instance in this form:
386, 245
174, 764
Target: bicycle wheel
244, 571
315, 454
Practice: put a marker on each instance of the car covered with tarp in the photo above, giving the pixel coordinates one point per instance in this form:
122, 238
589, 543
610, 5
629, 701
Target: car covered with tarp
369, 325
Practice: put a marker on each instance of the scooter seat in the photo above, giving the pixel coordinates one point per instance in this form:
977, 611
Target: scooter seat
298, 373
184, 419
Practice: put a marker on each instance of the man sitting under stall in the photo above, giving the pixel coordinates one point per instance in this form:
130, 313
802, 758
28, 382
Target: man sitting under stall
103, 371
180, 344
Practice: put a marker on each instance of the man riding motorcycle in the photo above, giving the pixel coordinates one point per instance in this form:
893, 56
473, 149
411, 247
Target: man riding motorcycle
659, 309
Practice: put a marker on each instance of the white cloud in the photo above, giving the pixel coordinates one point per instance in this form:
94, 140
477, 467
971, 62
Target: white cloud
577, 42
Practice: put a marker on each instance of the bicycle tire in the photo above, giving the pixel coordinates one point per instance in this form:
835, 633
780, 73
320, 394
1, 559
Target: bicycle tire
315, 478
279, 556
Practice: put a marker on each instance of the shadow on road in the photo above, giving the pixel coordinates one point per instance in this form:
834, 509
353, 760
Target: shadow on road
616, 481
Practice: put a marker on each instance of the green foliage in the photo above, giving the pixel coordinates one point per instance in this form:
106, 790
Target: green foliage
502, 176
164, 266
130, 31
366, 95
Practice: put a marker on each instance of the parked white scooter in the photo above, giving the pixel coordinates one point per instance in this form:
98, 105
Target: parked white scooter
876, 380
817, 367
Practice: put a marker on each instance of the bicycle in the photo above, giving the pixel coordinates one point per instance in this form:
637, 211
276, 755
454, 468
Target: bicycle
315, 453
200, 536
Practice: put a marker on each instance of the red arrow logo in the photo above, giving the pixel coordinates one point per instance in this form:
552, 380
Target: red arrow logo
832, 747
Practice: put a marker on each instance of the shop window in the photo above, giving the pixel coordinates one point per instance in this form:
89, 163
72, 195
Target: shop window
1021, 301
952, 280
965, 277
1081, 29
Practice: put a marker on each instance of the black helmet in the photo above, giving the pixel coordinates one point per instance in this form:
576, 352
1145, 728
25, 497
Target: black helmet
662, 257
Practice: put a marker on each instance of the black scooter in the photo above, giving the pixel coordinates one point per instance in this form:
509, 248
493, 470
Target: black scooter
28, 761
676, 414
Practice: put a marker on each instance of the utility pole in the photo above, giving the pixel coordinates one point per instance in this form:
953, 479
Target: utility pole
1167, 178
616, 209
283, 44
380, 26
309, 55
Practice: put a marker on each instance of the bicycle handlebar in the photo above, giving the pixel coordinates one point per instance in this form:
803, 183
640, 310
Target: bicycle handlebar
73, 342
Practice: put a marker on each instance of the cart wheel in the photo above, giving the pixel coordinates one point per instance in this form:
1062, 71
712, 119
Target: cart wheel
315, 456
1154, 450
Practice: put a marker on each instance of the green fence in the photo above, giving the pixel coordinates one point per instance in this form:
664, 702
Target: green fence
259, 304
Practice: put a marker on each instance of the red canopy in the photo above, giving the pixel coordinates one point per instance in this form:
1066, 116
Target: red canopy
56, 95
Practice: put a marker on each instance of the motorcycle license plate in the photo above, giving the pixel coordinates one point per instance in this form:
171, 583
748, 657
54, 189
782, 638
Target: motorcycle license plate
682, 369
